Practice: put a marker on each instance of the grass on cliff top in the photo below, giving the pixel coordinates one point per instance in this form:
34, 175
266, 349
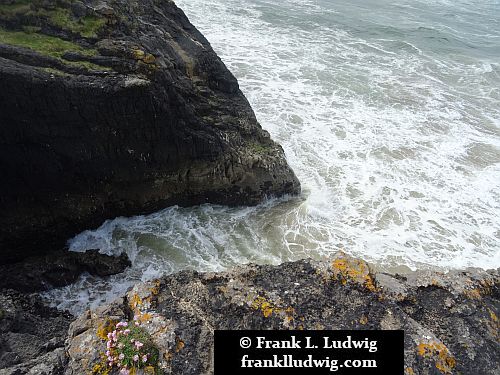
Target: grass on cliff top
7, 11
55, 16
48, 46
87, 26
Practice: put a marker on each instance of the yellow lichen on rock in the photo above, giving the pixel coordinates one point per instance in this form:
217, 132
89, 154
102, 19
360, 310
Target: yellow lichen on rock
155, 289
179, 345
268, 309
100, 368
493, 325
478, 290
146, 58
260, 303
437, 351
106, 327
347, 269
149, 59
135, 301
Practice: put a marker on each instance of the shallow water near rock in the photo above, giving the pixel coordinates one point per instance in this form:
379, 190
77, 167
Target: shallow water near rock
388, 113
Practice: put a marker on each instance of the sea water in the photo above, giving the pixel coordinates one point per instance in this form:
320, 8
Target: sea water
389, 113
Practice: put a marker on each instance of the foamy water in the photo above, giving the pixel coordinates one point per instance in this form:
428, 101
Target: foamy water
389, 113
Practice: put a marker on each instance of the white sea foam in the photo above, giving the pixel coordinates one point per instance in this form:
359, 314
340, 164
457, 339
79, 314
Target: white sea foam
388, 115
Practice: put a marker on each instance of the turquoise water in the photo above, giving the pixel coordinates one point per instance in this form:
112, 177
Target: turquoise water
389, 113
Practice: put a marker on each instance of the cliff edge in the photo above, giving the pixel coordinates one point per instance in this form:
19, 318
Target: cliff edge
117, 108
450, 321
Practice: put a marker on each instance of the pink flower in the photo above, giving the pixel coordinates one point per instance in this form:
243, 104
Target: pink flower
137, 324
110, 364
110, 358
121, 324
138, 344
126, 332
136, 317
124, 371
135, 358
108, 353
121, 356
144, 358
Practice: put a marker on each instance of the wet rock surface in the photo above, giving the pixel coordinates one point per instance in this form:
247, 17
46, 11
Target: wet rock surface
117, 108
58, 269
32, 335
450, 320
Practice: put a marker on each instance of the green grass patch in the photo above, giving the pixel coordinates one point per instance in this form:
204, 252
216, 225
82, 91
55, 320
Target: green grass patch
87, 26
55, 72
56, 16
41, 43
10, 11
259, 148
49, 46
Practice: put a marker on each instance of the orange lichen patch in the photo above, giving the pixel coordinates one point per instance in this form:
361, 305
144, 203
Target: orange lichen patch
434, 282
473, 293
106, 327
363, 320
144, 318
478, 290
444, 361
409, 371
493, 316
289, 312
135, 301
100, 369
493, 324
268, 308
260, 303
179, 345
155, 289
149, 370
353, 270
168, 356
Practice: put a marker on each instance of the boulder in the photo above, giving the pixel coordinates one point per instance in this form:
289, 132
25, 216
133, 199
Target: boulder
120, 110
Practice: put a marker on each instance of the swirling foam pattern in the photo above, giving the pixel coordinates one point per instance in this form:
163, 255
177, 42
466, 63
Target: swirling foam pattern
389, 114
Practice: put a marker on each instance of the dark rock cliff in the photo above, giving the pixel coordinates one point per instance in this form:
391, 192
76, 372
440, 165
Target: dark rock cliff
120, 107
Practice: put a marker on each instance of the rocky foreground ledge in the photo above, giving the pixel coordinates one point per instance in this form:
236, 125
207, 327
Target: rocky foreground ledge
450, 320
115, 108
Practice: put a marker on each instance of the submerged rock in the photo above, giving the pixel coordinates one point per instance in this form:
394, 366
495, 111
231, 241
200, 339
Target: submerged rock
58, 269
450, 320
112, 108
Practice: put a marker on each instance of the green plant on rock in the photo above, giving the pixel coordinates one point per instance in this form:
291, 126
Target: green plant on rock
49, 46
87, 26
130, 348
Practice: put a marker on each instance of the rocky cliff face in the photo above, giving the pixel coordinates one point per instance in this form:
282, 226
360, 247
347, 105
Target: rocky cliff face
450, 320
118, 107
